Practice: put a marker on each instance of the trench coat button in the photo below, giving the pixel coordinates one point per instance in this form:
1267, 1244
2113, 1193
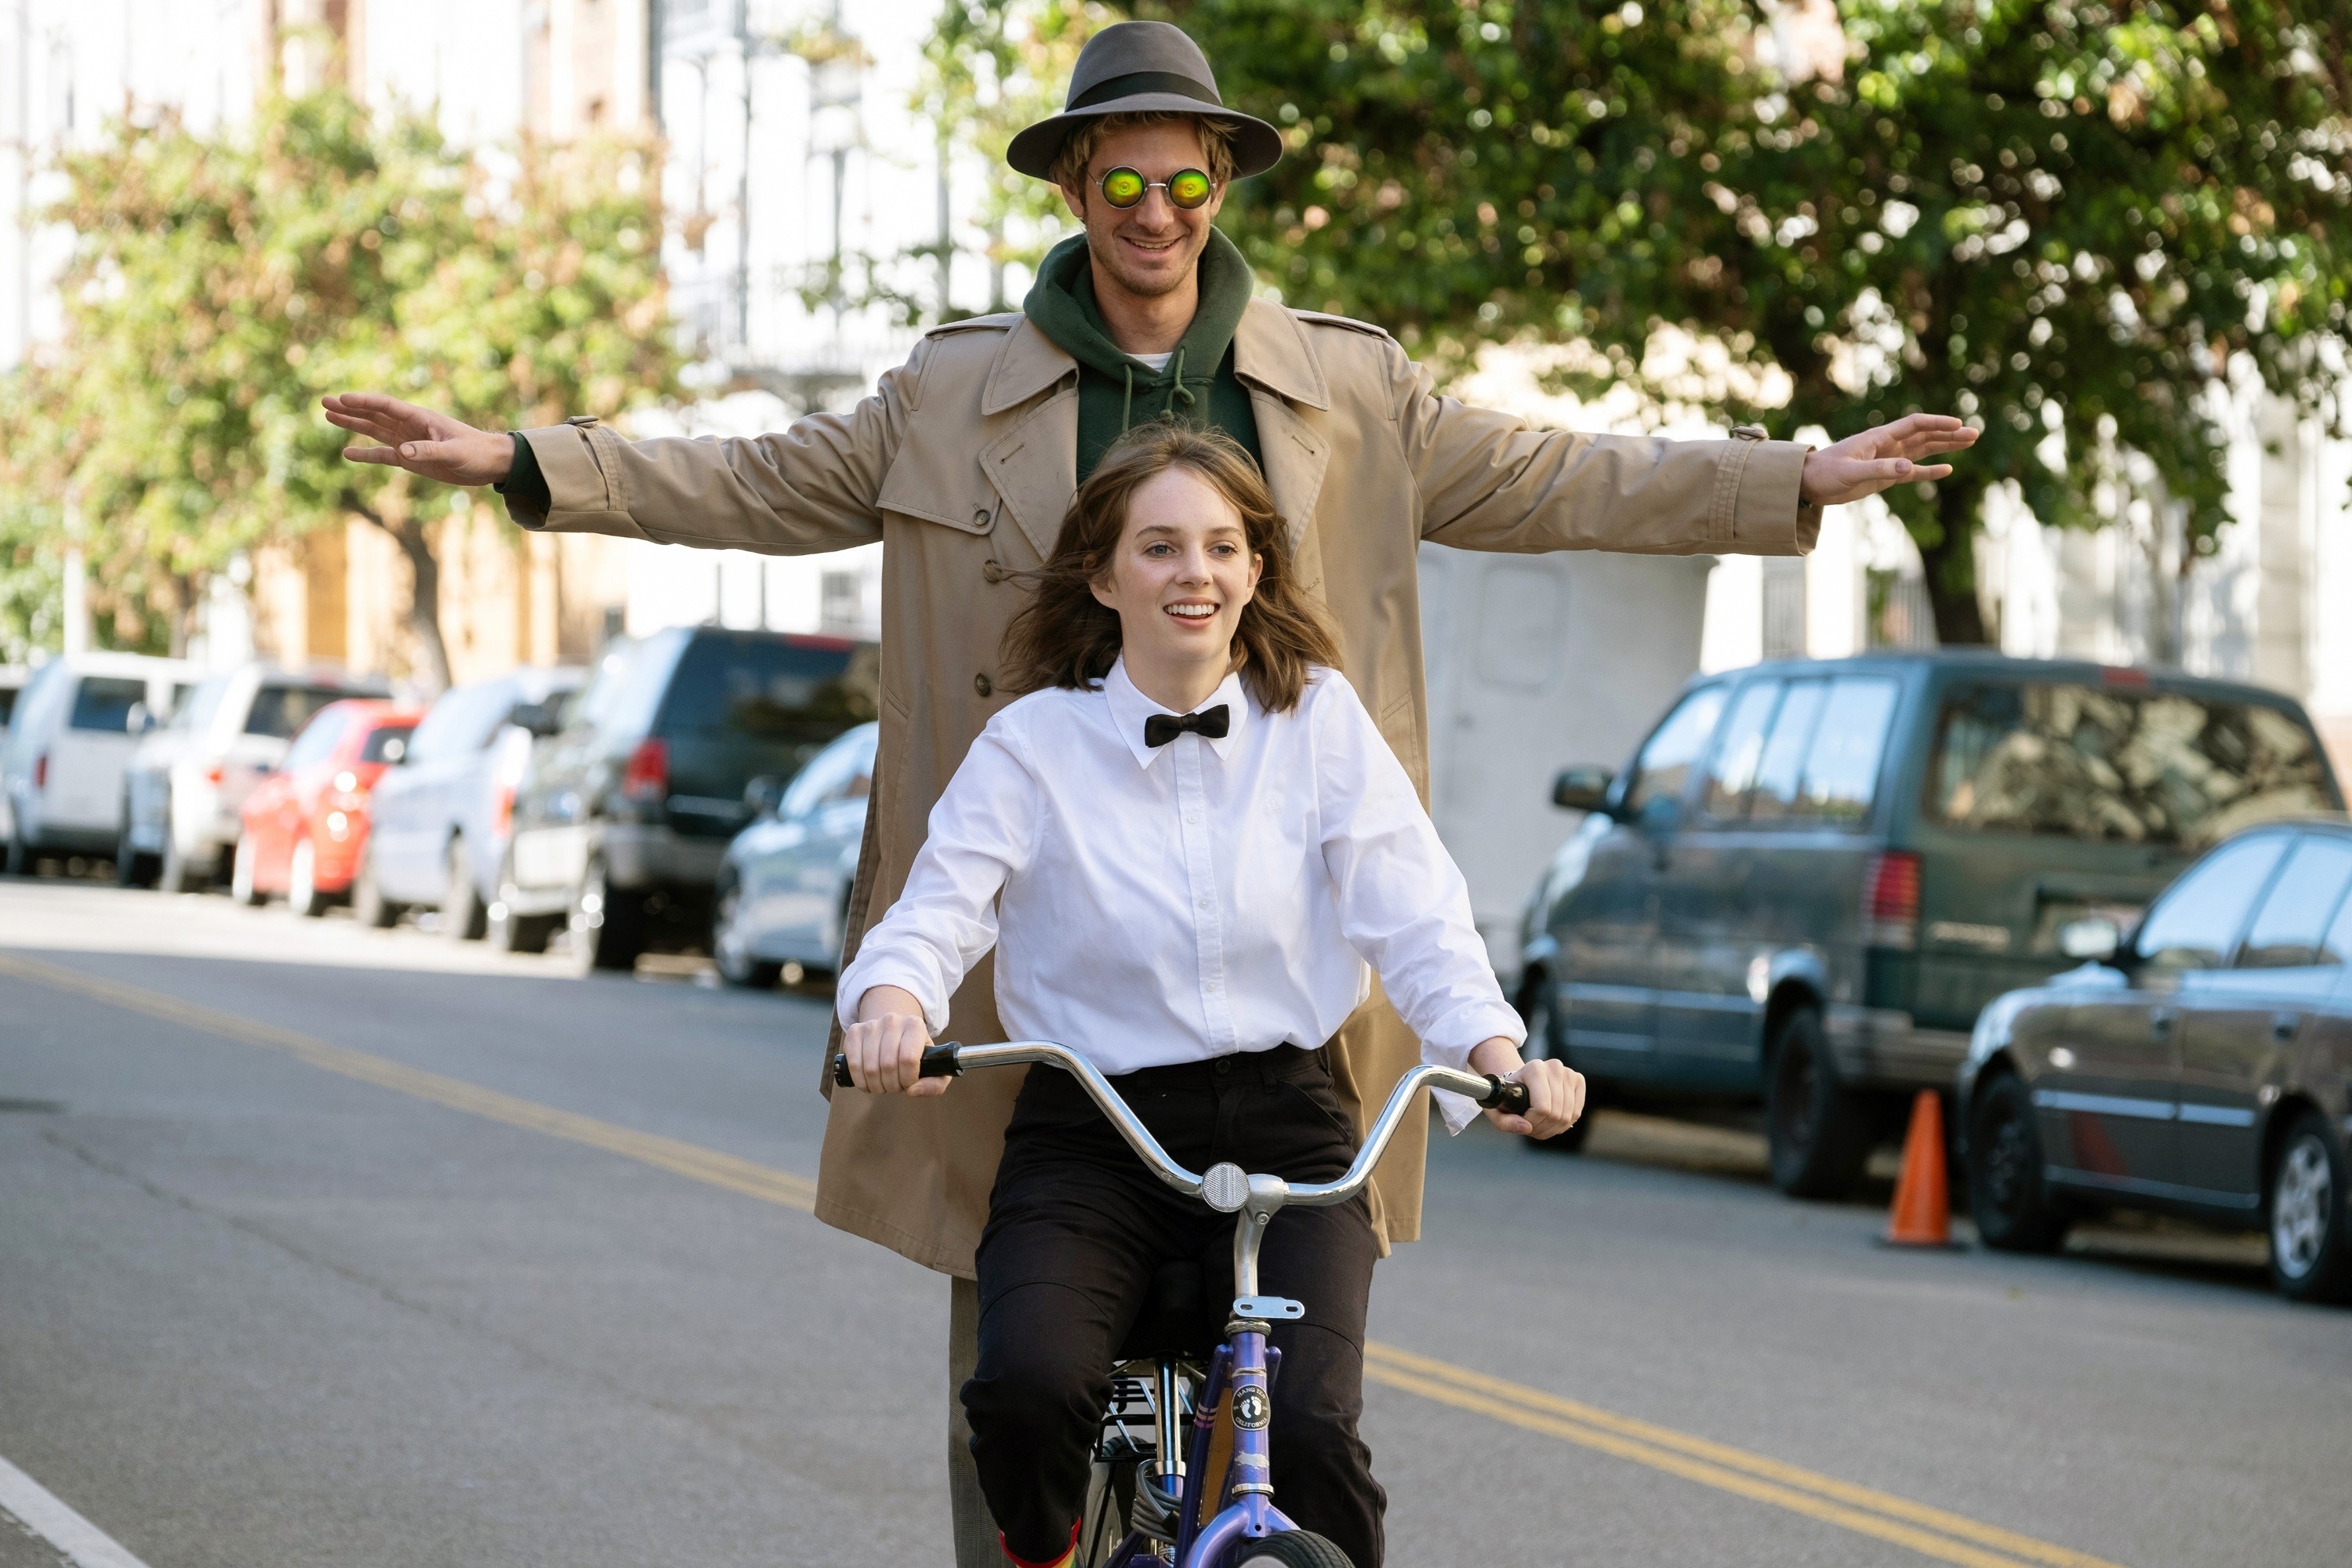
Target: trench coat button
1747, 433
992, 571
979, 521
982, 684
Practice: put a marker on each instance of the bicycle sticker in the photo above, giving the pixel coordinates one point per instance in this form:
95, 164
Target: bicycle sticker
1250, 1408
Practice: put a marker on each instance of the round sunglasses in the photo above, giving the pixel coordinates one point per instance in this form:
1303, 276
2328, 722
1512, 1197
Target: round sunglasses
1186, 188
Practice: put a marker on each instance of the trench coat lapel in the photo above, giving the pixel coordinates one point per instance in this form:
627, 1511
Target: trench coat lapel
1034, 467
1273, 358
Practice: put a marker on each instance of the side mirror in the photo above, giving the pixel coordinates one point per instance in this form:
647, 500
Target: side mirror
139, 721
541, 718
763, 795
2093, 939
1582, 789
395, 751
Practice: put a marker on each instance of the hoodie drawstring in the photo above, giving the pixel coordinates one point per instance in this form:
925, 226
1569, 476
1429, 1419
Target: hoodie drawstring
1176, 387
1126, 404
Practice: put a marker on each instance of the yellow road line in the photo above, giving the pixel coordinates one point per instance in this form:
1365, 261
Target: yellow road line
1930, 1531
689, 1160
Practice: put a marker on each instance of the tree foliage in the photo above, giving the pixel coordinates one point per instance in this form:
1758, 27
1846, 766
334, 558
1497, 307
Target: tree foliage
220, 284
2079, 223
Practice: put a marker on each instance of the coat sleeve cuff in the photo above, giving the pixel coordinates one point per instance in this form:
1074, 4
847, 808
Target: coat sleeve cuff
1769, 516
578, 470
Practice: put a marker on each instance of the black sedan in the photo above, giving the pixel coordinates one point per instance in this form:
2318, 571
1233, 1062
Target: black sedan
2201, 1065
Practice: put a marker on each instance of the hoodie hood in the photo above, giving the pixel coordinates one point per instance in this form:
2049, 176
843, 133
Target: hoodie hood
1061, 303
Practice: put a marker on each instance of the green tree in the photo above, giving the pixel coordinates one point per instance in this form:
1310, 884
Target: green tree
2073, 223
220, 284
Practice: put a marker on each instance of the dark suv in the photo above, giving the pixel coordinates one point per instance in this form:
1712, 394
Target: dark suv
1816, 873
624, 817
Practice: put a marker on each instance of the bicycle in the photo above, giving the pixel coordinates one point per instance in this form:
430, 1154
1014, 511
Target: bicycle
1164, 1490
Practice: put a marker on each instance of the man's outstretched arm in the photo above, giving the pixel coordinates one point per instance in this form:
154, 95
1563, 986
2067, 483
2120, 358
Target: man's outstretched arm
812, 487
1491, 481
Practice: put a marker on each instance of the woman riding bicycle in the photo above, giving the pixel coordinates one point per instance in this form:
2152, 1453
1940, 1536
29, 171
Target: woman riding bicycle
1192, 850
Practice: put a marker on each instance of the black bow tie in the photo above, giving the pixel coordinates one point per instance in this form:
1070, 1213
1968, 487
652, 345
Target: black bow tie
1210, 722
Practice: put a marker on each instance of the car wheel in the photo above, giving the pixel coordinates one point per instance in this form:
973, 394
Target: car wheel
302, 893
607, 924
730, 949
508, 931
241, 889
2310, 1257
461, 903
1818, 1128
1539, 1004
369, 906
2007, 1197
132, 868
173, 878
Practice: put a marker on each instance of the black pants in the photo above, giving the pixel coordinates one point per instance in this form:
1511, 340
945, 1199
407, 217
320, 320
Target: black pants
1077, 1226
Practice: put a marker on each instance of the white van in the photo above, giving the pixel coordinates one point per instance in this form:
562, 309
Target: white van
69, 739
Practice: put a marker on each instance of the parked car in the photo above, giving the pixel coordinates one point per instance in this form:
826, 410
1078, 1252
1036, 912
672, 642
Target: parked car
1814, 874
306, 825
75, 729
2202, 1065
185, 794
625, 818
783, 889
439, 821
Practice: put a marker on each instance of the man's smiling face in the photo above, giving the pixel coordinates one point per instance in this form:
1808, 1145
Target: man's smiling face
1147, 249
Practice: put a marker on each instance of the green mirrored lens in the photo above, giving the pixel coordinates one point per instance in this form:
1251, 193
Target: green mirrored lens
1190, 188
1122, 188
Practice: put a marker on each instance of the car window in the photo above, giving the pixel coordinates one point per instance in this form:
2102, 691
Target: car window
842, 770
196, 713
1738, 749
1664, 765
763, 688
462, 720
2196, 922
386, 743
627, 688
2135, 766
1782, 769
7, 704
103, 703
2291, 931
280, 711
317, 741
1841, 768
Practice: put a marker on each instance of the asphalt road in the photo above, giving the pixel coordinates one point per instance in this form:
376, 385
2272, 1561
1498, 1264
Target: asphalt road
326, 1247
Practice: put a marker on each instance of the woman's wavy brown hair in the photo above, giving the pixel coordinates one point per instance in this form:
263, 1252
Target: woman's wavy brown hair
1066, 637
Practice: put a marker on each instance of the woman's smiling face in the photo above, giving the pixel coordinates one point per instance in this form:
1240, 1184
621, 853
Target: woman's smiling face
1180, 575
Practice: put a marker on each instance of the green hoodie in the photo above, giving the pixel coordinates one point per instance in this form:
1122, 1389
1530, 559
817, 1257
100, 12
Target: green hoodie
1116, 391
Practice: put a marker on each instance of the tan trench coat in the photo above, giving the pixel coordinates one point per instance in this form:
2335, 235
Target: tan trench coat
963, 463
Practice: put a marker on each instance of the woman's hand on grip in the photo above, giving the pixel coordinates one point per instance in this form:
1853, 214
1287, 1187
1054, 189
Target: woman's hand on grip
1555, 1089
884, 1048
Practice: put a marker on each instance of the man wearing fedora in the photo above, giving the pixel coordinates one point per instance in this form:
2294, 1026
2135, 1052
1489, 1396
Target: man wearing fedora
963, 463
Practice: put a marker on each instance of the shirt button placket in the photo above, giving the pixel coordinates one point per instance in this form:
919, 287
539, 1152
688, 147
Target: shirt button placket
1199, 874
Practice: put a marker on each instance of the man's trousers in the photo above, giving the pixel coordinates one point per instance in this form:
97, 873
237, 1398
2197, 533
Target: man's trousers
1076, 1228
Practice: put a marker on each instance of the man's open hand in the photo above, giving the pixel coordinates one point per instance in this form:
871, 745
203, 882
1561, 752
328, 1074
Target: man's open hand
1881, 459
423, 442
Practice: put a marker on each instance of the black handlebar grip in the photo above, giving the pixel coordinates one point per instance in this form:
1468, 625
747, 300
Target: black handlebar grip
938, 1061
1505, 1096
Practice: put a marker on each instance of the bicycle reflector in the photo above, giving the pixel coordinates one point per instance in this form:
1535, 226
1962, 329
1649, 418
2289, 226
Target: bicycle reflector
1225, 1188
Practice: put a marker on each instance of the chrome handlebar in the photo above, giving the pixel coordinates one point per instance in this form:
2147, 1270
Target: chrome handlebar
1225, 1188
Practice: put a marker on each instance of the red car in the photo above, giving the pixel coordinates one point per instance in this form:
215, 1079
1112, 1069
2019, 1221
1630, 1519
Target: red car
305, 824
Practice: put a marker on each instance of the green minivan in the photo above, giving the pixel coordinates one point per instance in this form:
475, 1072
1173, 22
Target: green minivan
1815, 872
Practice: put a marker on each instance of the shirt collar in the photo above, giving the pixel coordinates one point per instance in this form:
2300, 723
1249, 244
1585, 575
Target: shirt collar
1129, 707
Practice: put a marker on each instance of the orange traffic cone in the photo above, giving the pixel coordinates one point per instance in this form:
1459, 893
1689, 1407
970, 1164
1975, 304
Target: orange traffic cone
1923, 1206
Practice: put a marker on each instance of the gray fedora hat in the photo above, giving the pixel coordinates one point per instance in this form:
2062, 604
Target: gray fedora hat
1143, 68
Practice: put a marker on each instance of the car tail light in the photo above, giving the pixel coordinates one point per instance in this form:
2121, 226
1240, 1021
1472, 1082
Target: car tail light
41, 771
502, 810
648, 775
1891, 900
213, 775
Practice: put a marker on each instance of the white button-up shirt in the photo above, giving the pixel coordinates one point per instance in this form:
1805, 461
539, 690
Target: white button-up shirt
1158, 904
